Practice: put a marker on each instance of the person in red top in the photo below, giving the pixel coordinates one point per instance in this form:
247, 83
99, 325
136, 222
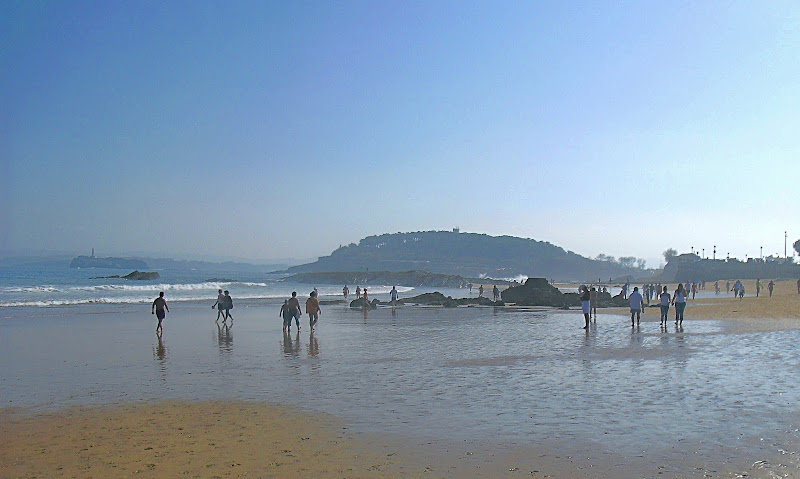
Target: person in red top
312, 309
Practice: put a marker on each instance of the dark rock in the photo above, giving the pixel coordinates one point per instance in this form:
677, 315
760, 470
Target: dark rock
141, 276
360, 303
538, 292
438, 299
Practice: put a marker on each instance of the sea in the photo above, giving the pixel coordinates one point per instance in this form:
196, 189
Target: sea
56, 284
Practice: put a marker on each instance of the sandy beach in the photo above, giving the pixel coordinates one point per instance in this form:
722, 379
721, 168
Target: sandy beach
223, 430
749, 314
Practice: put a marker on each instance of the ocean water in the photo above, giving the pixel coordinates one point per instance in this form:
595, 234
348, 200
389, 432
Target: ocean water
59, 285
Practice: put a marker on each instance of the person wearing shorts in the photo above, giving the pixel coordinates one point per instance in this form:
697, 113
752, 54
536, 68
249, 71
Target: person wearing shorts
293, 306
159, 307
637, 303
586, 304
313, 310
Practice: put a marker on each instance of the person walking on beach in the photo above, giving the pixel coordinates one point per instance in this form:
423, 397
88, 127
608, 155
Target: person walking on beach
770, 287
495, 293
637, 303
159, 305
727, 286
345, 292
393, 296
469, 285
480, 291
358, 292
219, 305
665, 298
593, 303
294, 309
313, 310
679, 300
228, 306
758, 287
716, 287
287, 317
586, 304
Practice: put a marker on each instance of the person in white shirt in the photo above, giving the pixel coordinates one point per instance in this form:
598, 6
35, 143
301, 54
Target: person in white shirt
665, 299
636, 301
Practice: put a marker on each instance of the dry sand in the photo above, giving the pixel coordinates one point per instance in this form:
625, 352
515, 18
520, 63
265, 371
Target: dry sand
180, 439
217, 440
750, 314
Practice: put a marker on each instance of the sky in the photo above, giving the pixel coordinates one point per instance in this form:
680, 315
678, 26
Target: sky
266, 130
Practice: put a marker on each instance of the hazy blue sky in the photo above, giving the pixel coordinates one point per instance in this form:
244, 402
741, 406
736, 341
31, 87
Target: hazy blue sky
284, 129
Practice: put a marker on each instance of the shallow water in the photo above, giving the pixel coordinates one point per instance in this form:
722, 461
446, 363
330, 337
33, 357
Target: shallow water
688, 401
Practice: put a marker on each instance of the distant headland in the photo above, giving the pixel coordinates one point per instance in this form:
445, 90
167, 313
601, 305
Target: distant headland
111, 263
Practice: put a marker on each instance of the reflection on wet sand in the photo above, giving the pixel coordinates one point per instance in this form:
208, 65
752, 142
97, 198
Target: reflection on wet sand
313, 345
289, 346
225, 337
160, 351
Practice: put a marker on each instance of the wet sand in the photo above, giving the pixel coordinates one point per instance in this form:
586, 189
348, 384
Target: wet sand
127, 425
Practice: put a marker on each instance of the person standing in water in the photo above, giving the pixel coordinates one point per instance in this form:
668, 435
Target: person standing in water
393, 295
637, 303
665, 298
679, 300
312, 310
345, 292
293, 306
358, 292
159, 305
480, 291
593, 303
586, 304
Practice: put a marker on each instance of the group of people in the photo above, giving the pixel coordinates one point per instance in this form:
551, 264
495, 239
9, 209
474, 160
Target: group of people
224, 305
291, 310
636, 300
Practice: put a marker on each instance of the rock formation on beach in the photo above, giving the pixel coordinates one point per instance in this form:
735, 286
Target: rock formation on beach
360, 303
141, 275
538, 292
438, 299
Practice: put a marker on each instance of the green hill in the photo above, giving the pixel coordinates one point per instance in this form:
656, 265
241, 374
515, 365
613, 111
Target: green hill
465, 254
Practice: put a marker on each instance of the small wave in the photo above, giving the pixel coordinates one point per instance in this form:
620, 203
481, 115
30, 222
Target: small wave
32, 289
